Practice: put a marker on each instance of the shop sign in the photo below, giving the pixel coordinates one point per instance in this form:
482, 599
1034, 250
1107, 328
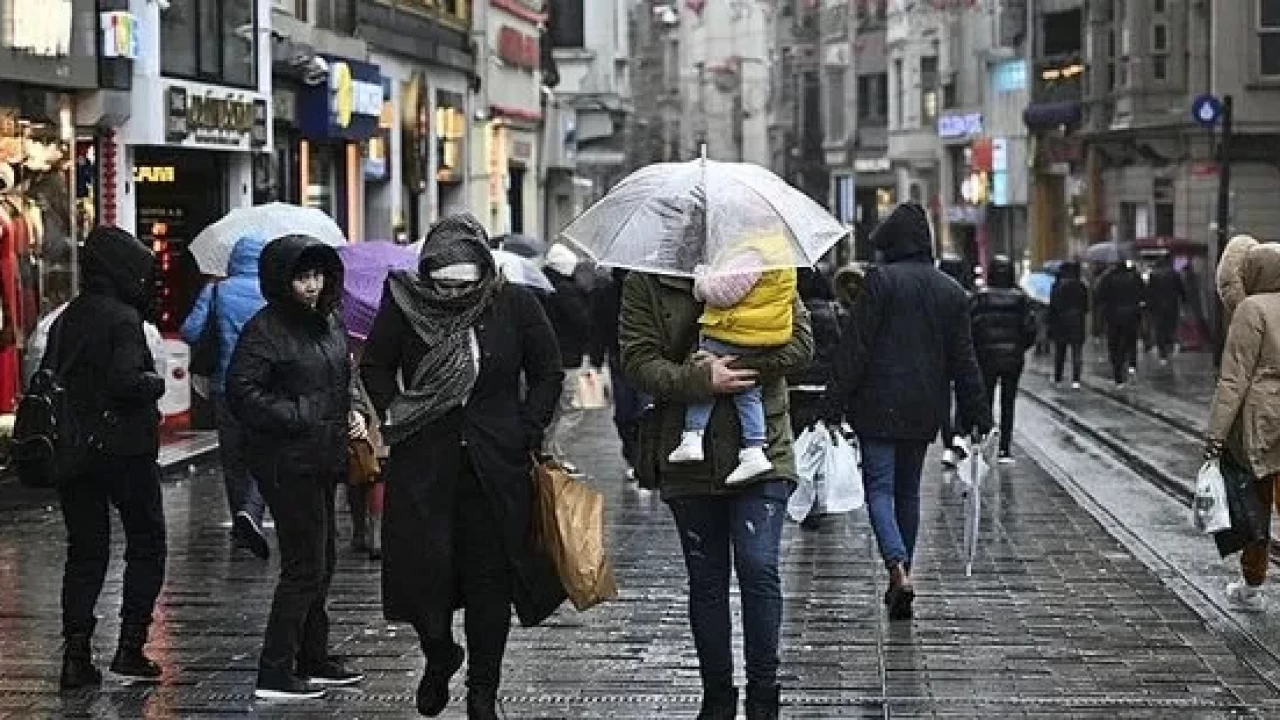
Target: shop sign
959, 126
119, 35
40, 27
377, 149
155, 174
965, 214
872, 165
348, 107
518, 49
213, 118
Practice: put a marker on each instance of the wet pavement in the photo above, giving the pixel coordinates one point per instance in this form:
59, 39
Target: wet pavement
1060, 619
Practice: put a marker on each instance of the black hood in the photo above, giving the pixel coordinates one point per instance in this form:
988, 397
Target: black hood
118, 264
1000, 274
904, 235
278, 266
1069, 271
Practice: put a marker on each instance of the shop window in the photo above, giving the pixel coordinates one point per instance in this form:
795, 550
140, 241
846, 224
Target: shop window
1269, 38
899, 96
337, 15
1159, 68
1063, 33
928, 90
210, 40
1163, 194
568, 29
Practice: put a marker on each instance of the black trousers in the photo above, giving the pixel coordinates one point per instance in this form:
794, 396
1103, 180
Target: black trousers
298, 627
483, 579
132, 485
1166, 323
1060, 360
1122, 345
1007, 382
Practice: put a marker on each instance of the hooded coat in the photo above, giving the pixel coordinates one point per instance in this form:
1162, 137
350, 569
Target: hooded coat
1121, 292
1068, 306
289, 381
112, 382
1245, 413
568, 307
495, 430
239, 298
1230, 278
907, 340
1003, 324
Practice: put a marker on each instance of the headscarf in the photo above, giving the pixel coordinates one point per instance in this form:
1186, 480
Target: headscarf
444, 321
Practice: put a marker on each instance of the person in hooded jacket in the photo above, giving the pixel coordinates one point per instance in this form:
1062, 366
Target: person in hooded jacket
570, 313
1068, 314
101, 354
808, 387
1164, 299
230, 304
1120, 294
628, 403
1004, 328
289, 386
907, 342
462, 435
1244, 421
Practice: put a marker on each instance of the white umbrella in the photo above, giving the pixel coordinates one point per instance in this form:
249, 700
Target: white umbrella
212, 247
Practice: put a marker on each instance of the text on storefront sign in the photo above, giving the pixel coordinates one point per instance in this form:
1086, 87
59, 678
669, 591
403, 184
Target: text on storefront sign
163, 174
351, 96
960, 125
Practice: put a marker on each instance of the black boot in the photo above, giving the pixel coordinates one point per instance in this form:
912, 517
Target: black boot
77, 662
130, 662
482, 704
719, 703
763, 702
433, 689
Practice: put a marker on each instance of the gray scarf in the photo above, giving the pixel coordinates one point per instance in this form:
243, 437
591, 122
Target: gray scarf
444, 320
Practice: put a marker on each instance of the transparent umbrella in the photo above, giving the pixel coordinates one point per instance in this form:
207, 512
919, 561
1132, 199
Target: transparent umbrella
671, 218
212, 247
974, 472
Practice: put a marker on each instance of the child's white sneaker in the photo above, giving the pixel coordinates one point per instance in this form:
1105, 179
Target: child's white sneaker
690, 450
752, 463
1243, 597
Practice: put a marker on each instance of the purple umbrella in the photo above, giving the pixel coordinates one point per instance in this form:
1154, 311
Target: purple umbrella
365, 269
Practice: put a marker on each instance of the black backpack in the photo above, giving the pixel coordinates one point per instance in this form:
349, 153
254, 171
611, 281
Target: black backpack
49, 444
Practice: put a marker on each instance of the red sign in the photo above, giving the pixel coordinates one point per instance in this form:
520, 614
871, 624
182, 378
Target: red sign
518, 49
982, 154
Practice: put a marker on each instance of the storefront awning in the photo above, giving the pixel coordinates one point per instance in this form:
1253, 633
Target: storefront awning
1040, 116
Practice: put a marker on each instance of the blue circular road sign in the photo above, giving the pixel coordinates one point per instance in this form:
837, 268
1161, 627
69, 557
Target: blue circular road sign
1207, 110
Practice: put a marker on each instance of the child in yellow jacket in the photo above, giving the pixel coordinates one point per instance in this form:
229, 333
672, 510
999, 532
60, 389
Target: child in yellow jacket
749, 309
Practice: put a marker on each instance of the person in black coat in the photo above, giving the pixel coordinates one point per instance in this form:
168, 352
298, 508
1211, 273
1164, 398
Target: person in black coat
456, 532
1120, 294
1004, 328
907, 341
628, 403
808, 387
569, 311
1165, 296
100, 352
952, 443
1068, 313
289, 384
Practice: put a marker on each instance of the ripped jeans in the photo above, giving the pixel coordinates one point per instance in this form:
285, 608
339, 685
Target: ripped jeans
747, 527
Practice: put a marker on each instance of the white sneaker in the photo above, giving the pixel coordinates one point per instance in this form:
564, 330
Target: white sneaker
690, 450
751, 463
1243, 597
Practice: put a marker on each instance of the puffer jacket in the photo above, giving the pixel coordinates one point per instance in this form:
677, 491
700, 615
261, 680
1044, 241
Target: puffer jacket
1004, 326
1069, 306
762, 319
289, 382
112, 382
1245, 413
906, 342
1120, 295
1230, 279
239, 299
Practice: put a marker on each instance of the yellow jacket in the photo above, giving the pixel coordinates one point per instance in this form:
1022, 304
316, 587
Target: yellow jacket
764, 318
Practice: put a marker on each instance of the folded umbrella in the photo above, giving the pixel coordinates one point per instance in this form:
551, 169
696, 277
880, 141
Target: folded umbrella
974, 471
671, 218
212, 247
365, 269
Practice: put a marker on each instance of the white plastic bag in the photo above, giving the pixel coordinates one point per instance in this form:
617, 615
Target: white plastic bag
843, 490
1209, 510
589, 394
811, 463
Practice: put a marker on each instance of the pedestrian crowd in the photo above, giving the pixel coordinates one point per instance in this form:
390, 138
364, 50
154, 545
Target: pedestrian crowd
466, 380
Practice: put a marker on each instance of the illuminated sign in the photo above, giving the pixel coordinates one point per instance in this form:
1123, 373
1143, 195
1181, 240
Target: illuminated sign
351, 96
348, 107
215, 117
960, 125
40, 27
119, 35
159, 174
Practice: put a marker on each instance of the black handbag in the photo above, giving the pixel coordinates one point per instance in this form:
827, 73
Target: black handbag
1250, 519
204, 354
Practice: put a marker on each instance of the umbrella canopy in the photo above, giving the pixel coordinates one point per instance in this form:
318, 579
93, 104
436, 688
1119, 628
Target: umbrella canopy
974, 471
671, 218
522, 271
212, 247
1108, 253
1039, 286
365, 269
526, 246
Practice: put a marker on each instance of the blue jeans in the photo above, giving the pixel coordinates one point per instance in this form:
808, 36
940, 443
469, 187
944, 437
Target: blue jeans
750, 403
748, 527
891, 475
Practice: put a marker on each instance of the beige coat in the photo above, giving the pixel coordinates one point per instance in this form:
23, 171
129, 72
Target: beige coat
1246, 405
1230, 280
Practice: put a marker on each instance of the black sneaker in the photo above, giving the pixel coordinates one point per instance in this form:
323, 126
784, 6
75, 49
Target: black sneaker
130, 663
332, 673
273, 686
247, 532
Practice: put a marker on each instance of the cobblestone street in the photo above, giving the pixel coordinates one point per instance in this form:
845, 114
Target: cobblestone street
1057, 620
